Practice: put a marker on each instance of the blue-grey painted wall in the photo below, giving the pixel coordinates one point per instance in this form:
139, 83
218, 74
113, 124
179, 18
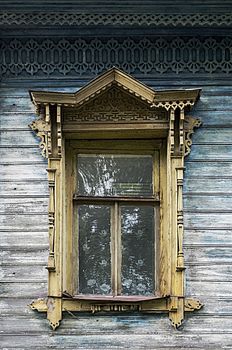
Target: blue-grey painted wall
200, 57
207, 244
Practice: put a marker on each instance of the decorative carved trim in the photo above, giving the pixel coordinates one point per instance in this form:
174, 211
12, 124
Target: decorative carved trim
180, 221
51, 219
114, 106
134, 98
40, 305
90, 57
163, 304
190, 124
176, 311
192, 304
54, 311
173, 104
114, 19
42, 128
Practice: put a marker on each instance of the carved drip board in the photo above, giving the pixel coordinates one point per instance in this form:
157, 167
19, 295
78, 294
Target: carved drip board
153, 56
102, 105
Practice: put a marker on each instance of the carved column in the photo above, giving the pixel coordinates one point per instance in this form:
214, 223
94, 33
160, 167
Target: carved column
176, 140
51, 218
48, 128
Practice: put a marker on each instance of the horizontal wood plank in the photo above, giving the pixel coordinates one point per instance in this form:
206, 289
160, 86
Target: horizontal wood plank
16, 103
214, 169
24, 257
19, 274
208, 184
112, 325
209, 289
23, 172
13, 187
215, 220
211, 202
23, 238
18, 138
32, 290
211, 273
23, 205
22, 154
35, 221
199, 236
16, 120
214, 118
210, 255
138, 342
212, 136
211, 151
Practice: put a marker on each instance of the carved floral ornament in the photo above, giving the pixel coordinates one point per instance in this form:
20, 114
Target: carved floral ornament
111, 104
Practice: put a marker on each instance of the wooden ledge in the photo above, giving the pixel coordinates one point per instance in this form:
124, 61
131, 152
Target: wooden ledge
114, 299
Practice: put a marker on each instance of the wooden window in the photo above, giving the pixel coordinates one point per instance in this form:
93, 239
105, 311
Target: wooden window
116, 219
115, 154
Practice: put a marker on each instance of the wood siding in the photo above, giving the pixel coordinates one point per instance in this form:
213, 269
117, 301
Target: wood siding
207, 243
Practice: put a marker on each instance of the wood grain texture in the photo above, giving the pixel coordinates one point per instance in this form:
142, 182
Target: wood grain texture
207, 241
119, 341
20, 154
208, 202
23, 172
209, 185
217, 237
26, 187
22, 206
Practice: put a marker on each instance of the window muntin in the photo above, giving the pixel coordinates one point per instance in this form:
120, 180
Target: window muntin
115, 220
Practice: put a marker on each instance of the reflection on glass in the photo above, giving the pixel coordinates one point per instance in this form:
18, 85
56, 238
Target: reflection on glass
114, 175
94, 249
137, 228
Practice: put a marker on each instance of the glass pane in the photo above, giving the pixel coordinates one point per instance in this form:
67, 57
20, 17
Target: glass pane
94, 249
137, 227
114, 175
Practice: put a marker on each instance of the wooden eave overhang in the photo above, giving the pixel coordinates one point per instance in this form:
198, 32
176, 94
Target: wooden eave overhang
115, 77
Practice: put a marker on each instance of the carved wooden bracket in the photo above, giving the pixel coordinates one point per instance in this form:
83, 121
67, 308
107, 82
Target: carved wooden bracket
42, 130
116, 105
190, 124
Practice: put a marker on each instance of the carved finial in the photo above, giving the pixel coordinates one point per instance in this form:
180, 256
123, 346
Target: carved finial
192, 304
39, 305
54, 325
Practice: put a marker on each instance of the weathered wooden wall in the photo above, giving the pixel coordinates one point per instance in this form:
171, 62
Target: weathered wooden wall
167, 44
208, 239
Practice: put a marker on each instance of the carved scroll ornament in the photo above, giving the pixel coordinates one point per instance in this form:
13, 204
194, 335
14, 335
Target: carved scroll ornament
190, 124
41, 128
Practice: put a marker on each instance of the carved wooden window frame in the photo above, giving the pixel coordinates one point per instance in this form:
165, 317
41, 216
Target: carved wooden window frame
142, 114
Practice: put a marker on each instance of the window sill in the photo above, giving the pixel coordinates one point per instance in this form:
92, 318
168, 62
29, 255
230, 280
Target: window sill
109, 298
